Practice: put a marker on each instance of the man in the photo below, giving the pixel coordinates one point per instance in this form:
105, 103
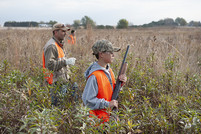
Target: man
54, 61
72, 37
101, 81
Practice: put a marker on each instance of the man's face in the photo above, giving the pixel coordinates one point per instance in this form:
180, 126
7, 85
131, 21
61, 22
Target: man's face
60, 34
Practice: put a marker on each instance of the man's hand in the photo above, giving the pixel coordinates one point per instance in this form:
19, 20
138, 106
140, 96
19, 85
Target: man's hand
70, 61
113, 103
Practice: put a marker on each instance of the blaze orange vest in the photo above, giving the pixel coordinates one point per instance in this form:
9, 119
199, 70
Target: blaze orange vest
49, 76
104, 91
72, 40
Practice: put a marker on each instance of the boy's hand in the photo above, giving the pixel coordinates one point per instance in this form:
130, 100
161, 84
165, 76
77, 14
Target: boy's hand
123, 78
113, 103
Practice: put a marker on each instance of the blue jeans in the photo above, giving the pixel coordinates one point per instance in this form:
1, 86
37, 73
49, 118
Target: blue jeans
58, 91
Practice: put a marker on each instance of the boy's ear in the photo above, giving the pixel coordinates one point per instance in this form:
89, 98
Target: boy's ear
100, 54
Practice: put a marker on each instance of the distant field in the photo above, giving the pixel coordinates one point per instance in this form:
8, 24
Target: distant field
17, 45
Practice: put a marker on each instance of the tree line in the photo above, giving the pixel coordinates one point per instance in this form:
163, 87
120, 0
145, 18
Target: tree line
87, 22
28, 24
171, 22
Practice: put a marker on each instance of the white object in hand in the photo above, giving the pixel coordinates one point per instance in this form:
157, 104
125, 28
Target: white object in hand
70, 61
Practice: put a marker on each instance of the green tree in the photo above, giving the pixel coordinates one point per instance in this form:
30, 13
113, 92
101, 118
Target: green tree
123, 23
180, 21
87, 21
194, 23
109, 27
41, 22
100, 27
169, 22
51, 22
76, 23
21, 24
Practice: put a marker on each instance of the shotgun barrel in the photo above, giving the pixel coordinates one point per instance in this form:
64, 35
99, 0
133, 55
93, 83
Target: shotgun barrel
122, 71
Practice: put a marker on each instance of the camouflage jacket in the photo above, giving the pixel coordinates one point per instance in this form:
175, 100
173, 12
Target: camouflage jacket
53, 63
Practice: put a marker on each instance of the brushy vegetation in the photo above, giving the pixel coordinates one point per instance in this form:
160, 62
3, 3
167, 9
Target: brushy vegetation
162, 94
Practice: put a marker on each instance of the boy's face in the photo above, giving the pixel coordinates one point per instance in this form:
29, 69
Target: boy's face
108, 57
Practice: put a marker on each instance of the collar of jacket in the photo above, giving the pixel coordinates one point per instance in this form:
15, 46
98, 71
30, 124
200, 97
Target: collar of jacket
61, 44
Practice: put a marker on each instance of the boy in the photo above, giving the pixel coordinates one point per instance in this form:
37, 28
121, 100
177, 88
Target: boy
101, 81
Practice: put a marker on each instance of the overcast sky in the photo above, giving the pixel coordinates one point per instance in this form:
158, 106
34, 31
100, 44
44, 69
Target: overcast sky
103, 12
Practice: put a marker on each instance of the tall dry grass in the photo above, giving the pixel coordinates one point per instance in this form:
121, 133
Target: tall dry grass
23, 48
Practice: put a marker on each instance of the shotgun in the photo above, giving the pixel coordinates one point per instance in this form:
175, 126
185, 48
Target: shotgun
122, 71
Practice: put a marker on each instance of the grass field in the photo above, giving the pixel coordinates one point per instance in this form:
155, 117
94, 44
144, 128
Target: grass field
162, 94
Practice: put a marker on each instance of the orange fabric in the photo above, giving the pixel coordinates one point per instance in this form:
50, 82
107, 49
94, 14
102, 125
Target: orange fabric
49, 76
104, 91
72, 39
60, 51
